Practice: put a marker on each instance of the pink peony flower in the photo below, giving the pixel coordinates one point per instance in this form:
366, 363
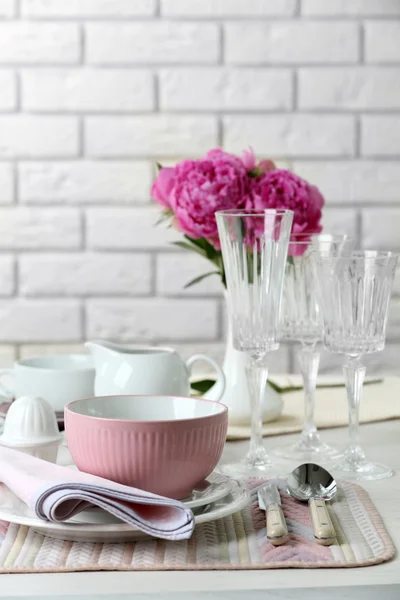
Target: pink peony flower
202, 187
283, 189
220, 156
249, 159
296, 248
265, 166
162, 186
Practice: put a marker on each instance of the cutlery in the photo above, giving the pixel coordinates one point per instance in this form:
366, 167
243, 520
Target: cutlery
269, 500
313, 484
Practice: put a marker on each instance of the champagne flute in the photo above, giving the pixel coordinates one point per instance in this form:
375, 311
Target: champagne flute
254, 247
355, 292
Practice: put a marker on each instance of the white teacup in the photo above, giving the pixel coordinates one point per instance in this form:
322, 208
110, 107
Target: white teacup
59, 379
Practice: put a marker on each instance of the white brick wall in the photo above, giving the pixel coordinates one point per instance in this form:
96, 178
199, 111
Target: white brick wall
354, 88
97, 9
26, 136
295, 42
93, 92
85, 90
292, 135
155, 135
227, 89
25, 42
84, 182
152, 42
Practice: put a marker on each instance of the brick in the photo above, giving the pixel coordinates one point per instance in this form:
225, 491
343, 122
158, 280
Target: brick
7, 8
97, 90
86, 8
38, 136
7, 284
127, 228
227, 8
380, 228
35, 229
227, 89
382, 41
339, 221
152, 319
380, 135
8, 96
6, 183
84, 274
358, 181
160, 135
349, 88
33, 350
356, 8
175, 270
39, 320
33, 43
291, 42
85, 182
152, 42
294, 135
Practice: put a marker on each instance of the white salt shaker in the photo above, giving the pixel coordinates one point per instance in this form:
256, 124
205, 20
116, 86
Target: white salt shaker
31, 427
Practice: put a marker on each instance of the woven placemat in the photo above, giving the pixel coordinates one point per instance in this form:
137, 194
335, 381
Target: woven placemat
235, 542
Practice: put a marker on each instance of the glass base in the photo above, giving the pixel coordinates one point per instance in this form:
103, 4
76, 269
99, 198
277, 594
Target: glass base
308, 448
256, 465
364, 470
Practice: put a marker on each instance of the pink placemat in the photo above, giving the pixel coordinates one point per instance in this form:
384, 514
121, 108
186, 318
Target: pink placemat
235, 542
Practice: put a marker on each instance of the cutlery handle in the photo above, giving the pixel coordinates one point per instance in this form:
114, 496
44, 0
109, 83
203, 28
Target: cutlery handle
277, 532
324, 531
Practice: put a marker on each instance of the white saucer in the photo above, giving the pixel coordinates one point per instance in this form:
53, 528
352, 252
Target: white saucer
12, 509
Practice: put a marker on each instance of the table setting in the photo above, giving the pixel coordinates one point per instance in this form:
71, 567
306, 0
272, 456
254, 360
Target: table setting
111, 460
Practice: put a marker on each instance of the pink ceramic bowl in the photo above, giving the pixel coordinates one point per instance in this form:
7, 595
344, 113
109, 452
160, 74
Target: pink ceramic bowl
162, 444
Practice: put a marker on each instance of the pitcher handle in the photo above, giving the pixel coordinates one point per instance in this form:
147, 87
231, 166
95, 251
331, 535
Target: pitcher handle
9, 392
219, 386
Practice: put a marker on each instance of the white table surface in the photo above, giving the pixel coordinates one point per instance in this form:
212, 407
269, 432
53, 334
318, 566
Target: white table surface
381, 581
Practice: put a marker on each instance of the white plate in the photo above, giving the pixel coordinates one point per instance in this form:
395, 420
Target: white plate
12, 509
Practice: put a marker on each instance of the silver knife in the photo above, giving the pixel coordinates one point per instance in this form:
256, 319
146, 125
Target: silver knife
269, 500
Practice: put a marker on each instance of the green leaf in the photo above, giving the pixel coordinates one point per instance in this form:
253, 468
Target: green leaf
159, 166
187, 246
164, 216
290, 260
201, 277
199, 243
202, 386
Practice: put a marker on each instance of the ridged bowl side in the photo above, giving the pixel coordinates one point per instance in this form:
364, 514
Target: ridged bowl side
168, 458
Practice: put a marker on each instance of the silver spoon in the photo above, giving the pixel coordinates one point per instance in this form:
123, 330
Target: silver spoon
313, 484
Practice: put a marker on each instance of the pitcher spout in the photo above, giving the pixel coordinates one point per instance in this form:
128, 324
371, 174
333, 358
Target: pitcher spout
100, 349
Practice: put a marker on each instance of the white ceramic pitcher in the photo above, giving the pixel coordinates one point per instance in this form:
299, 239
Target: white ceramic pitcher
146, 370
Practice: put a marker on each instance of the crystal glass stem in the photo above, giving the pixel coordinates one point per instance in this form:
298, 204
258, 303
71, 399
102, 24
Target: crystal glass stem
309, 363
257, 374
354, 373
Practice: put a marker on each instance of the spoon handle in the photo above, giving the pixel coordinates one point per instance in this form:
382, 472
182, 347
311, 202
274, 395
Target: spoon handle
324, 531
